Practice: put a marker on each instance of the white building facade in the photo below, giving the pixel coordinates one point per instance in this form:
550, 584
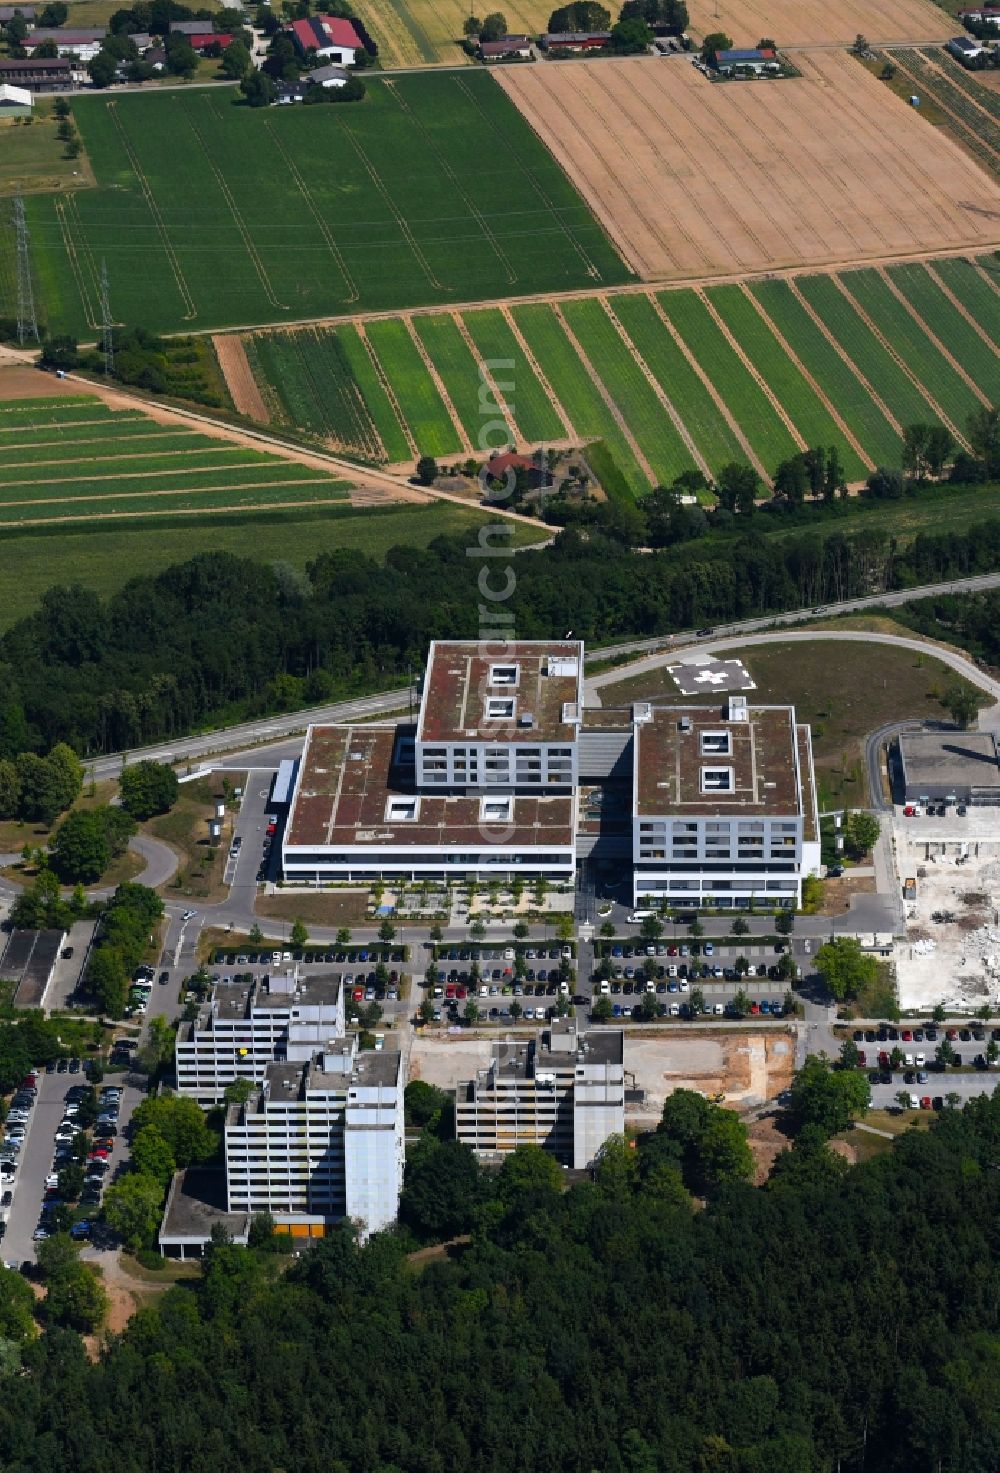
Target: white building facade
320, 1141
245, 1027
724, 806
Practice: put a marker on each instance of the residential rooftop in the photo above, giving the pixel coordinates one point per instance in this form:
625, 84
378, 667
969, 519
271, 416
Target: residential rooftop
466, 682
355, 789
696, 759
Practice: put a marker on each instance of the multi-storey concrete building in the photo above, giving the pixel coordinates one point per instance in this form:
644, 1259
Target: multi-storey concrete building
319, 1141
505, 775
244, 1027
564, 1091
723, 807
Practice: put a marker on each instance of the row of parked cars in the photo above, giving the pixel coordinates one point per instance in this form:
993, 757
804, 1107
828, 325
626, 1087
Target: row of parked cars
96, 1160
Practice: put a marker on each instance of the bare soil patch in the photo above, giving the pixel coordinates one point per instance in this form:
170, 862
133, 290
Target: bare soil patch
795, 24
29, 383
247, 398
694, 179
767, 1143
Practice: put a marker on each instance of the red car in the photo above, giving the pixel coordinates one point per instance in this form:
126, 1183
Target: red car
883, 1059
862, 1057
925, 1103
953, 1034
272, 829
98, 1155
907, 1036
449, 991
359, 994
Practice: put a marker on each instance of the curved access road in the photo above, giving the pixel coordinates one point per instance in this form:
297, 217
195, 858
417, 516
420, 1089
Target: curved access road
721, 640
254, 733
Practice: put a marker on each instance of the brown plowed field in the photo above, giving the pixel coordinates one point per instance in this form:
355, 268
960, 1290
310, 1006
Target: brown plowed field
240, 382
812, 23
694, 179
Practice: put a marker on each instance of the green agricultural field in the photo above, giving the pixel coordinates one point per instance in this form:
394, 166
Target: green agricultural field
105, 555
575, 389
654, 430
974, 292
314, 388
460, 372
807, 411
920, 355
675, 375
958, 336
422, 406
835, 377
211, 214
121, 472
377, 401
537, 420
900, 394
747, 402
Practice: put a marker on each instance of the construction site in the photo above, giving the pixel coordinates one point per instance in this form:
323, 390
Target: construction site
949, 866
739, 1067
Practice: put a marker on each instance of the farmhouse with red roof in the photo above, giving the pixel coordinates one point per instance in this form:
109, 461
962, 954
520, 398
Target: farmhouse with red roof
331, 37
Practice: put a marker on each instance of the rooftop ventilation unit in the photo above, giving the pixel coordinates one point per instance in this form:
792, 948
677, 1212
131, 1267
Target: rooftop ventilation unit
684, 724
526, 719
737, 709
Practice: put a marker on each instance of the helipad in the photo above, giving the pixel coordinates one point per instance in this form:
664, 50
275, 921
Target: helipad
703, 675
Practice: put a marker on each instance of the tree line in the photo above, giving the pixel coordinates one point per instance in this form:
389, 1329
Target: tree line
224, 638
837, 1317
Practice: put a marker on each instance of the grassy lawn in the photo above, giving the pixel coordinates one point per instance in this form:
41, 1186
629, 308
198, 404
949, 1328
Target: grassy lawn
867, 1146
185, 829
316, 211
32, 157
843, 692
345, 908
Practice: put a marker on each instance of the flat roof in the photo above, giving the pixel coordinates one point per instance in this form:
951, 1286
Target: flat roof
196, 1202
965, 758
543, 677
810, 825
349, 777
759, 756
28, 960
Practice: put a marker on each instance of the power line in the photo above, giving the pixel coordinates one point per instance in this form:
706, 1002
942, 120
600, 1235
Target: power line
107, 331
27, 326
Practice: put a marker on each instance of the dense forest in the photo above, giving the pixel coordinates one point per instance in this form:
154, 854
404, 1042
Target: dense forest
221, 637
838, 1318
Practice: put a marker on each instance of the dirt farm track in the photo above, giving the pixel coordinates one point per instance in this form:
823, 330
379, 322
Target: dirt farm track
695, 179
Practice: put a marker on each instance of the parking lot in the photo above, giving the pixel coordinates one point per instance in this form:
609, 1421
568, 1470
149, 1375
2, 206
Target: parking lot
37, 1163
904, 1059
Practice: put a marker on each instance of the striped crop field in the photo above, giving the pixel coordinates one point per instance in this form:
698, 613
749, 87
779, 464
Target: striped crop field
76, 460
670, 381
